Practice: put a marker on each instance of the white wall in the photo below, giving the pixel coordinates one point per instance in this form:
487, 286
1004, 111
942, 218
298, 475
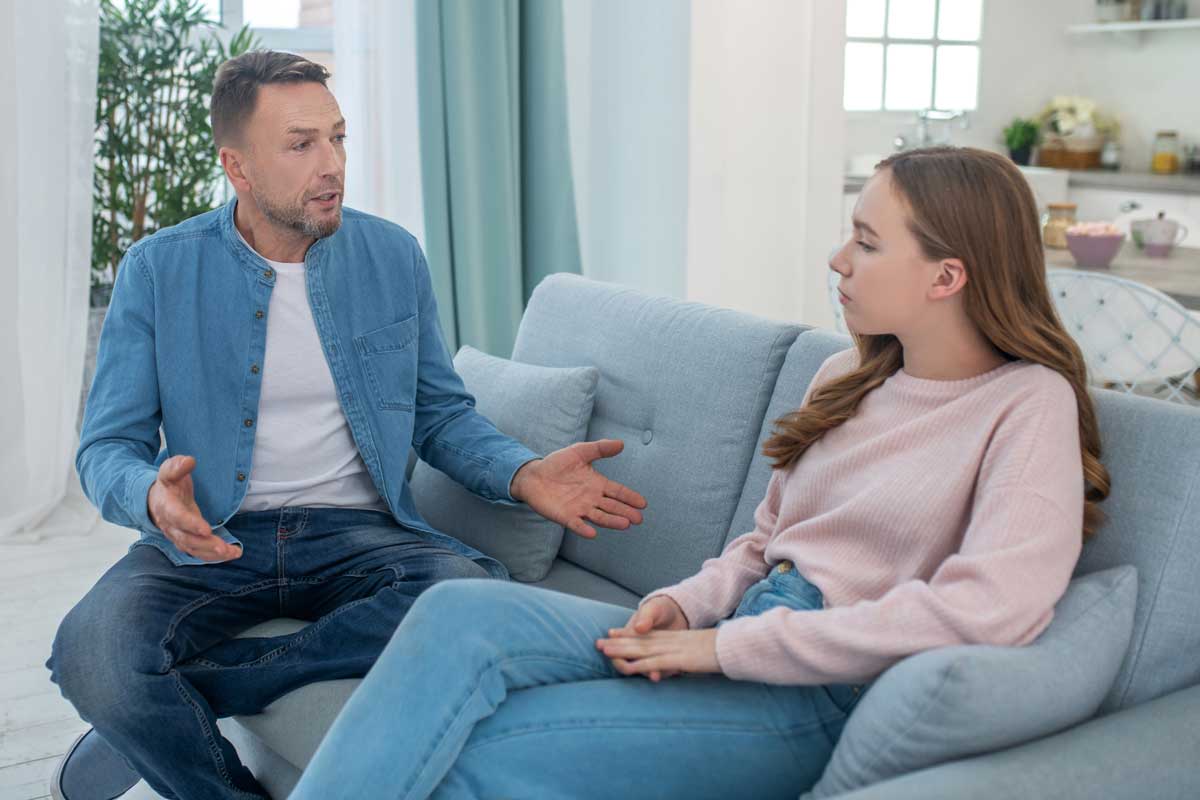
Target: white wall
1027, 57
375, 42
765, 155
706, 144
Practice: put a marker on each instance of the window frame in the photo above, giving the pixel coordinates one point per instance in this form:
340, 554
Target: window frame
935, 41
293, 40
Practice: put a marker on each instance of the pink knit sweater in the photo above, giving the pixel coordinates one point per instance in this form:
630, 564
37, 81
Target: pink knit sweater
942, 513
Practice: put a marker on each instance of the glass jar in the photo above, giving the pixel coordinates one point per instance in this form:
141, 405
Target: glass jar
1166, 153
1056, 220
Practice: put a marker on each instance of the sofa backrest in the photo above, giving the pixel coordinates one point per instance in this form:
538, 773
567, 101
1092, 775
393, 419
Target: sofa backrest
1152, 451
803, 360
685, 386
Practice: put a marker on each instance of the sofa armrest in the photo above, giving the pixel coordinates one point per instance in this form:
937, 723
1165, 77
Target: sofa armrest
1148, 750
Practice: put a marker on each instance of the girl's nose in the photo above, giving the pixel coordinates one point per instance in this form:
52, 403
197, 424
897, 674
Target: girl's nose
835, 262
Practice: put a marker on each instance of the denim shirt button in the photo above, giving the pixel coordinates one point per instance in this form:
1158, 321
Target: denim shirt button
269, 274
254, 368
647, 436
249, 423
241, 476
258, 314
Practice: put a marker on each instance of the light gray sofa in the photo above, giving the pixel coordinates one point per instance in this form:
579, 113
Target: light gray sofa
693, 391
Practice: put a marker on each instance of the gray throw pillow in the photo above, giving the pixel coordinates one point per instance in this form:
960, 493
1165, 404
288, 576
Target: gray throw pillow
543, 408
953, 702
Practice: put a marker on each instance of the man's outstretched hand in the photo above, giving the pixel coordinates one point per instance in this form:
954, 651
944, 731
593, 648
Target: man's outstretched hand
565, 488
172, 507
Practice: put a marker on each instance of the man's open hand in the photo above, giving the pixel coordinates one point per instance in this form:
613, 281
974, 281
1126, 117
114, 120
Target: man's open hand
172, 507
565, 488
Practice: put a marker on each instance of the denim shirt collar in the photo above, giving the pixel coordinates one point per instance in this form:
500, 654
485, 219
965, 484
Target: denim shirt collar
251, 261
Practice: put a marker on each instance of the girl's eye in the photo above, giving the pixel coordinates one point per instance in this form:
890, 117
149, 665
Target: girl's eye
866, 247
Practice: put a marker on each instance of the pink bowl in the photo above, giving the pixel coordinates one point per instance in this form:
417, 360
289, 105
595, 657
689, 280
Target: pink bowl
1094, 251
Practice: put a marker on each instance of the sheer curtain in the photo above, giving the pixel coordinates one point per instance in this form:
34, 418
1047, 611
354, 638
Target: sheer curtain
49, 52
374, 43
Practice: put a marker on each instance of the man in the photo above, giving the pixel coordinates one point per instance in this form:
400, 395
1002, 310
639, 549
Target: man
290, 350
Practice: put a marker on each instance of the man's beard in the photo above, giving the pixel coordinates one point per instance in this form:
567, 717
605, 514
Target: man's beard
294, 218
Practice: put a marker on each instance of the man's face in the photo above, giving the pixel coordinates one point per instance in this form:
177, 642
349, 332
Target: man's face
295, 157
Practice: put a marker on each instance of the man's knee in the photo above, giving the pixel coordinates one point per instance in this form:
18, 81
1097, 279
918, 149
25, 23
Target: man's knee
98, 654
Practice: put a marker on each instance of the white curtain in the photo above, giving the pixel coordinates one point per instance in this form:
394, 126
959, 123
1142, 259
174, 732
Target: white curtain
375, 52
49, 51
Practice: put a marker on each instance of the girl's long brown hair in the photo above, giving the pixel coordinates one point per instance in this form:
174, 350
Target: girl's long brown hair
975, 206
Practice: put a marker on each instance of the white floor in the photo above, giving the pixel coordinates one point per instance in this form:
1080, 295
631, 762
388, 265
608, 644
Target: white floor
40, 583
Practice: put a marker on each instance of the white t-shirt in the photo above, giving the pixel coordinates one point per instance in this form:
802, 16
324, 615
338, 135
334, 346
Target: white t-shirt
304, 453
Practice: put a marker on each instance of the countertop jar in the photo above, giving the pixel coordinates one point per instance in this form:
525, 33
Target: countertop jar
1166, 153
1056, 220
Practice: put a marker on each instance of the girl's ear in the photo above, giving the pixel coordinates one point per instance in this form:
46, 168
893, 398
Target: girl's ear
949, 280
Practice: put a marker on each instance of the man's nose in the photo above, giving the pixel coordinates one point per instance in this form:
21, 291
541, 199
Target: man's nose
333, 163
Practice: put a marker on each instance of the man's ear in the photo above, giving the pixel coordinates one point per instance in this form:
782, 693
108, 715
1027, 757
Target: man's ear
949, 280
233, 161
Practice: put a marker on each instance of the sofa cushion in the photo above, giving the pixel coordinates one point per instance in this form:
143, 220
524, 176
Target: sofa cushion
1152, 452
574, 579
803, 360
544, 409
685, 387
958, 701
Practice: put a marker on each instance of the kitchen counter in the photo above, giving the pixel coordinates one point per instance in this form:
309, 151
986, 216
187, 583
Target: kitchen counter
1097, 179
1178, 275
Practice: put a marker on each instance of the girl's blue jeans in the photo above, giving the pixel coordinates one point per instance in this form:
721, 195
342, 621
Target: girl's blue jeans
496, 690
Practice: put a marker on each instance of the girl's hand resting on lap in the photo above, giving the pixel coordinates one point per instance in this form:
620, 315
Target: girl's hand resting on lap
656, 642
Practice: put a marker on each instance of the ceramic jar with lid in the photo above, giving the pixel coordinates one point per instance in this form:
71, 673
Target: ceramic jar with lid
1056, 220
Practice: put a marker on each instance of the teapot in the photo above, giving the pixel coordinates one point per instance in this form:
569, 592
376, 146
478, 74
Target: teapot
1160, 235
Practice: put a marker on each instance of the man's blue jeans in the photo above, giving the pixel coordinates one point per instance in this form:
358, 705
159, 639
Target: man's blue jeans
493, 690
146, 657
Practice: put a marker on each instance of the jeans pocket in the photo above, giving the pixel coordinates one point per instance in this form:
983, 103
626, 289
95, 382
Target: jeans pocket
844, 696
748, 607
177, 556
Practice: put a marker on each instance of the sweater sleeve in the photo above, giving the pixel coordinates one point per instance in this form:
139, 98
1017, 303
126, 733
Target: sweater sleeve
1019, 549
714, 592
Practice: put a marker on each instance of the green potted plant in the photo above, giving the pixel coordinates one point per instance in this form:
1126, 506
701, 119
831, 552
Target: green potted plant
1020, 137
155, 162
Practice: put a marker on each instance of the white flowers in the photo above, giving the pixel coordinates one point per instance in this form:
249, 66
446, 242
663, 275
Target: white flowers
1069, 115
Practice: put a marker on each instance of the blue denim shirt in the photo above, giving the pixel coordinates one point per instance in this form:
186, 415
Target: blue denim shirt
182, 348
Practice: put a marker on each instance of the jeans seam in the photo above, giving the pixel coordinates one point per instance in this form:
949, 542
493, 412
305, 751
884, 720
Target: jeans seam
584, 722
297, 639
214, 749
474, 690
197, 604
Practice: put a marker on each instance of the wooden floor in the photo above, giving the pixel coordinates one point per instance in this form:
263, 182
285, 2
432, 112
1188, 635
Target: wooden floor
40, 583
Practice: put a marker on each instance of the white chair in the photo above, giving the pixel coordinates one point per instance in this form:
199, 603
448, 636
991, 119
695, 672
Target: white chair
1133, 337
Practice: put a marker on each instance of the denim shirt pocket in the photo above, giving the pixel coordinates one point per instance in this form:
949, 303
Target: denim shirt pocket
389, 361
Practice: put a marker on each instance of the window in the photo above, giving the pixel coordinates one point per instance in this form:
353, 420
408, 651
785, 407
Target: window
298, 26
904, 55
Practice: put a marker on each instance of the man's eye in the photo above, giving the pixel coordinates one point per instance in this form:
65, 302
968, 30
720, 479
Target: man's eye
341, 138
301, 146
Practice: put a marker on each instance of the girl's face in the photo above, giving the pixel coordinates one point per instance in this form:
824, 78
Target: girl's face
887, 284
